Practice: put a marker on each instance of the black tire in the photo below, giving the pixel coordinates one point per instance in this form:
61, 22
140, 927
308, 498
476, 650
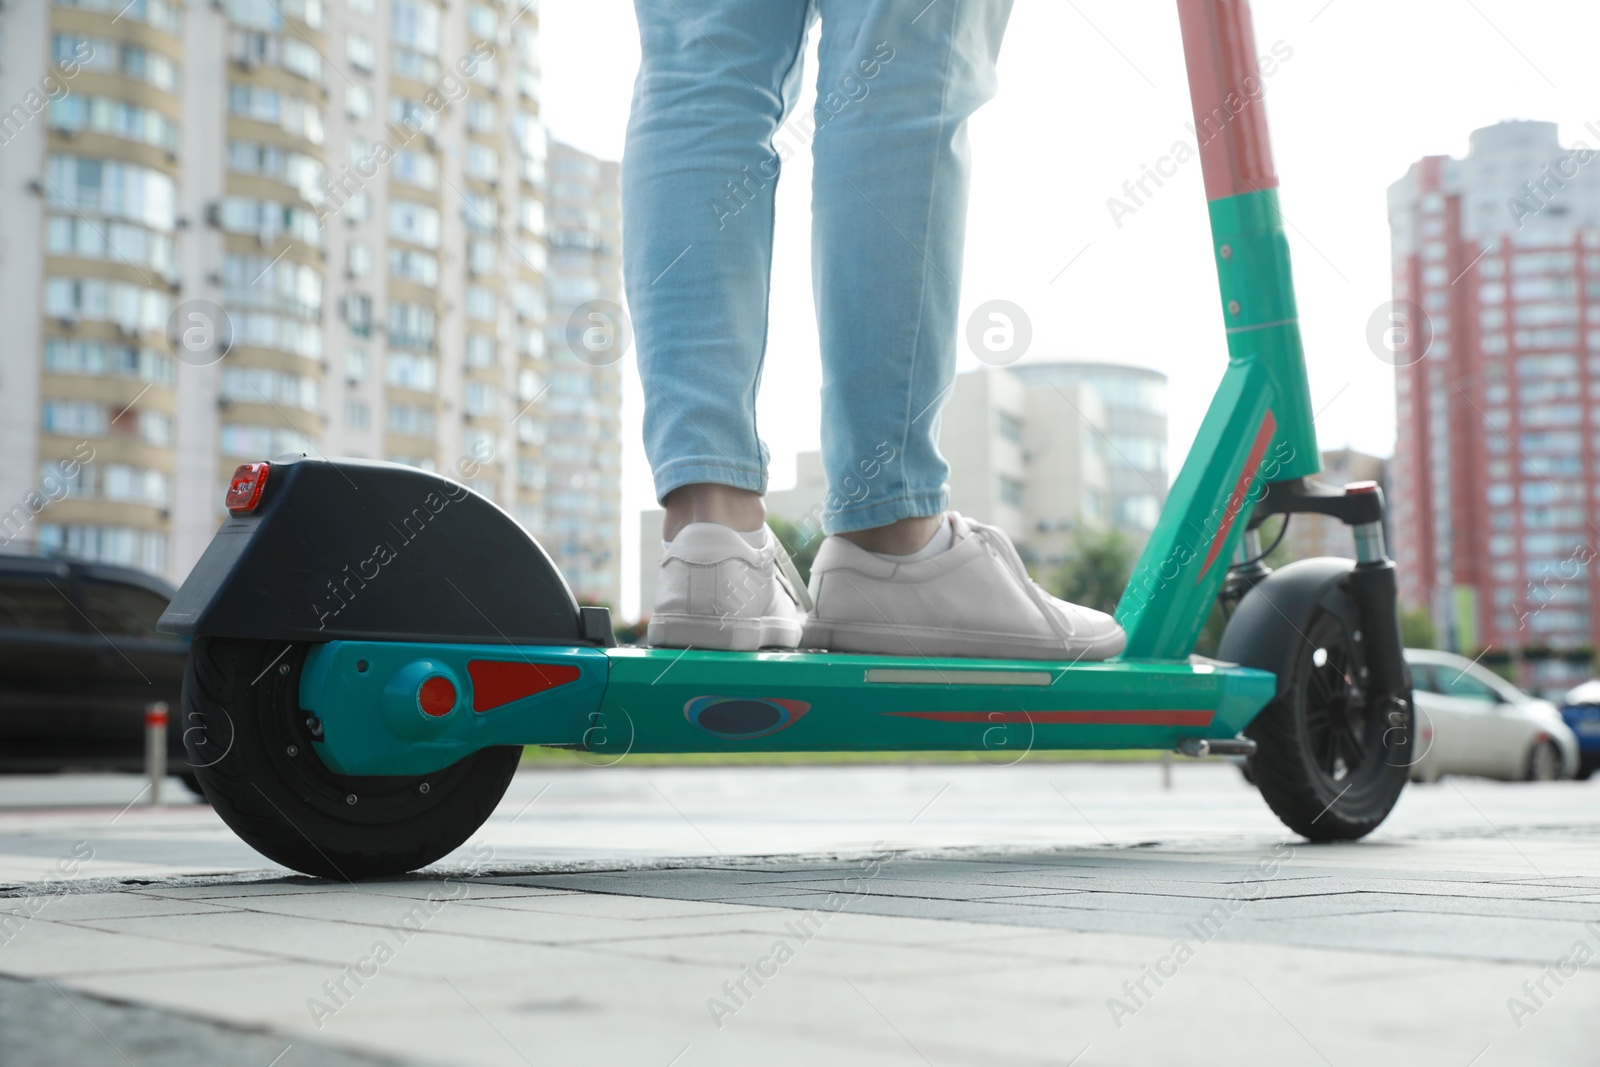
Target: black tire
1585, 771
192, 783
252, 752
1544, 763
1331, 757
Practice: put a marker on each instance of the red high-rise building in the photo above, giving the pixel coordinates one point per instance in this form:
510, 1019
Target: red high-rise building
1494, 487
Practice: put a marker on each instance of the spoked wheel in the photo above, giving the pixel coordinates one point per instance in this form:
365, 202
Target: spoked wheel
252, 750
1544, 763
1336, 707
1332, 753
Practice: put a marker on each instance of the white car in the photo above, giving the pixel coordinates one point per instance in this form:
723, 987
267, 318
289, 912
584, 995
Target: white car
1472, 721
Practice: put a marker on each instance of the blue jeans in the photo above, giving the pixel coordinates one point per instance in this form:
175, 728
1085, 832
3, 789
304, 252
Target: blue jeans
710, 128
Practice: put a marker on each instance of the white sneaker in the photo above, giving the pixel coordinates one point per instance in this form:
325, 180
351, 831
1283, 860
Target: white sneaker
718, 591
973, 599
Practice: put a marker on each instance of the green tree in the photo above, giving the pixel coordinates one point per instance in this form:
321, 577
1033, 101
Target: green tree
801, 549
1096, 570
1416, 629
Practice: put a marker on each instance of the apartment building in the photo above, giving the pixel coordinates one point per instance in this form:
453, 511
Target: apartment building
1496, 259
255, 227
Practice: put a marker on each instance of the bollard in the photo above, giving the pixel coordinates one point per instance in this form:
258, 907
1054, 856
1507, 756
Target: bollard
155, 746
1166, 770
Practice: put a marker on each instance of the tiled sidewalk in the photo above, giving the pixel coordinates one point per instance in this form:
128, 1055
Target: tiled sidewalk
1446, 939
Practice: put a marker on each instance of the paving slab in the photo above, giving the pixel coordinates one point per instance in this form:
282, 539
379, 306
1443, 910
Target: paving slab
925, 915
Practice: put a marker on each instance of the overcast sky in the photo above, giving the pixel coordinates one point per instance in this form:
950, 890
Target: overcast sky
1090, 92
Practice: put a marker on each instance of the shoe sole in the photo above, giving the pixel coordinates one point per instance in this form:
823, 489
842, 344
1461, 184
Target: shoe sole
723, 635
885, 639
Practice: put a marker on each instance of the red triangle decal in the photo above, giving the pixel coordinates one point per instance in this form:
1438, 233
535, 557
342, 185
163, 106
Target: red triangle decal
497, 682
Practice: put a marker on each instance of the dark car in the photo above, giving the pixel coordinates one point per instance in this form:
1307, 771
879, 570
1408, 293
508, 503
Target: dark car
1581, 709
79, 661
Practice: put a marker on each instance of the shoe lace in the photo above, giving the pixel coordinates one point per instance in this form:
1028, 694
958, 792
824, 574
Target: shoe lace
1001, 547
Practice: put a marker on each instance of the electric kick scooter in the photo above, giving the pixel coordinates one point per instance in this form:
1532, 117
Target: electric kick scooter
374, 644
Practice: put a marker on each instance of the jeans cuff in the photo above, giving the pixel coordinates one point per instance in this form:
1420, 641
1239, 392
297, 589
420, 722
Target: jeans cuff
868, 514
718, 471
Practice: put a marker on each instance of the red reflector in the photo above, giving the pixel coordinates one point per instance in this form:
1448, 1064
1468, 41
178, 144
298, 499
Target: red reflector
436, 696
1360, 488
495, 682
244, 492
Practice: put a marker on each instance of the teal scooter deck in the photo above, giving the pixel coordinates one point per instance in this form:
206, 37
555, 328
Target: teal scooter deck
621, 700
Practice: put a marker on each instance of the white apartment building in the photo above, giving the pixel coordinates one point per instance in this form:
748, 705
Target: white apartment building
246, 228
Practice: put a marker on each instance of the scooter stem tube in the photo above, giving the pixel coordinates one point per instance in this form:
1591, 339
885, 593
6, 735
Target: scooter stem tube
1252, 255
1259, 426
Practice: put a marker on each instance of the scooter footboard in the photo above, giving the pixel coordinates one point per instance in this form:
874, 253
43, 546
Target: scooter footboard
366, 550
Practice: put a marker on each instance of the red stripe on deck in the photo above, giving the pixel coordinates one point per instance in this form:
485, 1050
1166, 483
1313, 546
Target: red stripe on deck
1131, 717
497, 682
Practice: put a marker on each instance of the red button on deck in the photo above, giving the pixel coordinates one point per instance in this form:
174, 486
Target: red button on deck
436, 696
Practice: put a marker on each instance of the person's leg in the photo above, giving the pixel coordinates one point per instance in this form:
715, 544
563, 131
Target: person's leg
716, 79
896, 83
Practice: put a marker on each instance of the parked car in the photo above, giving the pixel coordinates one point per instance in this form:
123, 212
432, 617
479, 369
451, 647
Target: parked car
1581, 710
1472, 721
79, 661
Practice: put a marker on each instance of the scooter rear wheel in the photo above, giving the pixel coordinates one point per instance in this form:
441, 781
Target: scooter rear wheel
252, 750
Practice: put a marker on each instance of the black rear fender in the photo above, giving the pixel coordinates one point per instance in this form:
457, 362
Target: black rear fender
357, 549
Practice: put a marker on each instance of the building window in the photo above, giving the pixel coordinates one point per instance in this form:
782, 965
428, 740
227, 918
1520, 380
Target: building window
1010, 492
358, 259
99, 359
482, 256
155, 428
415, 223
113, 189
414, 266
356, 414
259, 385
412, 420
115, 118
300, 58
482, 115
261, 442
355, 365
481, 303
119, 545
358, 313
115, 57
74, 418
482, 399
416, 168
483, 163
1010, 427
358, 101
406, 370
359, 51
411, 326
416, 25
480, 350
96, 300
482, 21
479, 212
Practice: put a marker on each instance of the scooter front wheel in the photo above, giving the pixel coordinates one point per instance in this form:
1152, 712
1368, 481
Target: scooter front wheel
1334, 751
252, 750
